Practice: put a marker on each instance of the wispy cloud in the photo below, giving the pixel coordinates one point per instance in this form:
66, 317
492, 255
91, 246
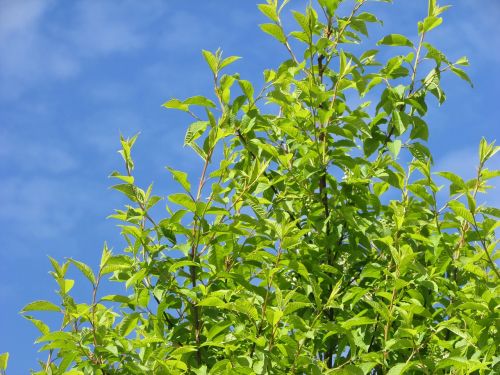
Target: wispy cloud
36, 46
103, 27
36, 204
19, 16
31, 156
26, 56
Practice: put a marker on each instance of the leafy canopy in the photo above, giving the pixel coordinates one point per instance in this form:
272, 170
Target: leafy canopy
315, 239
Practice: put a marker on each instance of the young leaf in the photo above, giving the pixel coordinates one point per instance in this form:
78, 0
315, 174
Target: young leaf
128, 324
228, 60
460, 73
181, 177
212, 61
4, 361
85, 269
400, 368
269, 11
429, 23
200, 100
395, 40
274, 30
41, 306
183, 200
176, 104
394, 147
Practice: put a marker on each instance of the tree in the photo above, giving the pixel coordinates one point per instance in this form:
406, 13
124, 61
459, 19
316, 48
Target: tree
314, 240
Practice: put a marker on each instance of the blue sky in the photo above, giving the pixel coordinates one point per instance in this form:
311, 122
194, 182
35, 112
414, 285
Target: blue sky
76, 74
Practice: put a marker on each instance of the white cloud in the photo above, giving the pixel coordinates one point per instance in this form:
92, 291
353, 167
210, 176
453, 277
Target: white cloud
26, 57
16, 16
39, 207
103, 27
188, 31
40, 42
30, 156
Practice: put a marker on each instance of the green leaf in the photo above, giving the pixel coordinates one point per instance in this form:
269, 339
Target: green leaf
368, 17
176, 364
245, 307
460, 73
176, 104
4, 360
294, 306
181, 177
431, 7
60, 271
492, 211
349, 370
116, 298
370, 146
117, 263
166, 231
128, 324
457, 180
420, 152
220, 367
212, 61
247, 88
400, 368
85, 269
394, 147
198, 150
183, 200
130, 191
429, 23
56, 336
274, 30
462, 61
105, 255
395, 40
227, 61
357, 321
420, 129
216, 330
461, 363
212, 302
397, 122
269, 11
194, 131
200, 100
460, 210
302, 21
182, 264
42, 327
136, 277
330, 5
41, 306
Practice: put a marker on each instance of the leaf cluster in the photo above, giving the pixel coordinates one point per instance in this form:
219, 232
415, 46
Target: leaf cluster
316, 238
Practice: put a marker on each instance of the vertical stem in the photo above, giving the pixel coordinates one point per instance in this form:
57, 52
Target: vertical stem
194, 256
94, 299
323, 140
264, 305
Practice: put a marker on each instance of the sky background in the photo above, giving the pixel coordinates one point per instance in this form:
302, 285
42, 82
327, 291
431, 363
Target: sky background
74, 75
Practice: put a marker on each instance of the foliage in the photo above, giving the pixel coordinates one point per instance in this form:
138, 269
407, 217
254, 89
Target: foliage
316, 239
